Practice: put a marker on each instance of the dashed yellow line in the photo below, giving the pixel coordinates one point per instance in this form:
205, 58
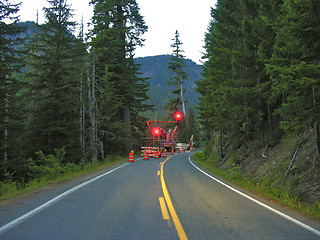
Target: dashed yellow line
176, 221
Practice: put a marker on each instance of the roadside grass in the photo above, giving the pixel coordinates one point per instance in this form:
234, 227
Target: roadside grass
286, 194
11, 189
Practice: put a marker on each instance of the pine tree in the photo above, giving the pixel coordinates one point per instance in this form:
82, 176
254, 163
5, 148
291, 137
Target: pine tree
234, 91
54, 84
117, 31
295, 64
216, 115
11, 106
176, 65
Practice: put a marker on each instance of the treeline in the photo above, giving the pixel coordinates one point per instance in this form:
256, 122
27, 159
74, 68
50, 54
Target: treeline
262, 71
79, 96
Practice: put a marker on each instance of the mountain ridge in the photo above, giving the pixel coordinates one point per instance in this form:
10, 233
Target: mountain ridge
156, 69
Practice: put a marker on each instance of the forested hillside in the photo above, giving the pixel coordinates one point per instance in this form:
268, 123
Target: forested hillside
155, 68
261, 77
261, 90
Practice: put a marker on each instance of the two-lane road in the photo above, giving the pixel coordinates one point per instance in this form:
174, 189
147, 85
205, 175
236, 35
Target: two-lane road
129, 202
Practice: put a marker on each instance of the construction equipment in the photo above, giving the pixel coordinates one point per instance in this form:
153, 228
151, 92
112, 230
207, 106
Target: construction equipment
162, 138
190, 145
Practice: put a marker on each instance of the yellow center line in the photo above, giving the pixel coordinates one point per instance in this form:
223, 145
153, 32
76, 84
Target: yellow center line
164, 210
176, 221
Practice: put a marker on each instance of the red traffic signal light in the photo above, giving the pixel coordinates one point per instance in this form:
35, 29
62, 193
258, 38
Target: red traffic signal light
178, 116
156, 131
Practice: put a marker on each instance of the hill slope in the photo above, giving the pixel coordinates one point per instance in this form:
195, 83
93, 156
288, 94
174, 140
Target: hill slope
156, 68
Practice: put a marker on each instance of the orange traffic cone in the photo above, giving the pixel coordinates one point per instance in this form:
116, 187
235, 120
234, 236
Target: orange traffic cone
172, 151
131, 157
164, 154
156, 154
178, 150
184, 150
146, 155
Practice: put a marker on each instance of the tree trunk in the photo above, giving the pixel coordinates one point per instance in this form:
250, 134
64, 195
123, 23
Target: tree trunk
92, 111
317, 137
6, 100
93, 107
269, 117
317, 123
82, 121
221, 143
127, 120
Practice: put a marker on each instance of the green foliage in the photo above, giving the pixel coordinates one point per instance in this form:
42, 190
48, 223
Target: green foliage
43, 175
11, 104
189, 128
47, 167
53, 87
294, 66
261, 70
117, 32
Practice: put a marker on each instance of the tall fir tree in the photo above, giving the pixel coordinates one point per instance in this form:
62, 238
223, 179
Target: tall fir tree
294, 66
215, 111
235, 88
54, 84
117, 32
11, 106
176, 65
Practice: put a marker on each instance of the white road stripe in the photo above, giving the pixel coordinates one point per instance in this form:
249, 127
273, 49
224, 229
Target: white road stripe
19, 220
258, 202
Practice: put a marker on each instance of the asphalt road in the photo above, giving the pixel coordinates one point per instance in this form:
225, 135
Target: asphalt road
154, 199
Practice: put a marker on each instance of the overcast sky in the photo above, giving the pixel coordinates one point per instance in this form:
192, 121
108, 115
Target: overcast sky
163, 17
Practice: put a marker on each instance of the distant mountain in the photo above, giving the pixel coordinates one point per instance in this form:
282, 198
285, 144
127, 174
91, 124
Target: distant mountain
156, 68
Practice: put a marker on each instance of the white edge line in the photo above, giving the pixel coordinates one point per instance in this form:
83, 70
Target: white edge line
260, 203
22, 218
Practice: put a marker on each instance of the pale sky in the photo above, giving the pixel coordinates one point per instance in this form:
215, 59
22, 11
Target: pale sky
163, 17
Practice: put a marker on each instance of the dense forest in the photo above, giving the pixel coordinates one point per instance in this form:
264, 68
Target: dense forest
261, 72
67, 99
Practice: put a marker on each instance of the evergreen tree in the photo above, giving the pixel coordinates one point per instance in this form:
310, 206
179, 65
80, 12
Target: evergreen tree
117, 31
216, 114
11, 111
295, 64
54, 84
176, 65
191, 128
234, 91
